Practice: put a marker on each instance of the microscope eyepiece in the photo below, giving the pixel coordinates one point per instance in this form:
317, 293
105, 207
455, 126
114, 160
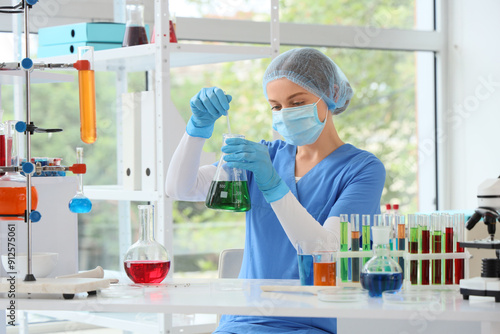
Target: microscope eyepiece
473, 220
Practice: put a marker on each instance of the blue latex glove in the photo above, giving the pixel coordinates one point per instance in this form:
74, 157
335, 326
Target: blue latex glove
245, 154
207, 106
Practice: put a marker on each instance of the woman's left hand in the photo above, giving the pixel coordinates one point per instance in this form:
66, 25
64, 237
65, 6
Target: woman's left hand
245, 154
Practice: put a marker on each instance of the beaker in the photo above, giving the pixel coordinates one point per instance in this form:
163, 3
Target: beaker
381, 273
325, 268
135, 33
86, 84
146, 261
13, 184
229, 189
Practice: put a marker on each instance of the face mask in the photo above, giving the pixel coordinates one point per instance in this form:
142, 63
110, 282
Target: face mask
299, 125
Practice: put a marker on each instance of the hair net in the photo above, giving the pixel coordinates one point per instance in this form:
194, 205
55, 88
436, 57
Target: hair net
315, 72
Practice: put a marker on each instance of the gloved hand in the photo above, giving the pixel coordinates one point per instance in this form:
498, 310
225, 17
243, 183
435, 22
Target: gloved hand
207, 106
245, 154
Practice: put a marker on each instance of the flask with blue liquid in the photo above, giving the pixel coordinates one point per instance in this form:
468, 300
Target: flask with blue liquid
381, 272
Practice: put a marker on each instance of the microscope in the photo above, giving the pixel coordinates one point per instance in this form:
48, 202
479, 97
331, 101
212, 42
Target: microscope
488, 285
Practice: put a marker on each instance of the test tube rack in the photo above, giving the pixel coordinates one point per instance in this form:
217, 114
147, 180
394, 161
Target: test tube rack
407, 256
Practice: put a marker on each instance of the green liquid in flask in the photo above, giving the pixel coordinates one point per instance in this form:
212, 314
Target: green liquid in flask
229, 196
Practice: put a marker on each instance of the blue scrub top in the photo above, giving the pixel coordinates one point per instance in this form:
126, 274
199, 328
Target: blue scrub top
347, 181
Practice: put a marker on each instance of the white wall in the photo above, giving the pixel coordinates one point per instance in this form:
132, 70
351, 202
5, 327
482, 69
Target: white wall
472, 119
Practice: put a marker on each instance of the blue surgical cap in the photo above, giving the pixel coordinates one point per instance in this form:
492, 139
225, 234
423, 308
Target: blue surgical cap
316, 73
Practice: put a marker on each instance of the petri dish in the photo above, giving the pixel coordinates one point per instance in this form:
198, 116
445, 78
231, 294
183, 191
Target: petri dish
122, 291
410, 297
343, 295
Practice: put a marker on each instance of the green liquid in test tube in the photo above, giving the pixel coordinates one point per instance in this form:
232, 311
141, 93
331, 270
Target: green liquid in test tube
344, 247
413, 247
366, 235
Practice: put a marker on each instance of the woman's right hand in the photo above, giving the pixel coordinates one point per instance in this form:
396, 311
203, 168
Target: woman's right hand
207, 106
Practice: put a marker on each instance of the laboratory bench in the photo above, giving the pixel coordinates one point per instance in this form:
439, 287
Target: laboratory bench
448, 313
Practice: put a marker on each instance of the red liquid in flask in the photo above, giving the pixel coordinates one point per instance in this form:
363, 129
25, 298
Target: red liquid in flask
147, 271
135, 35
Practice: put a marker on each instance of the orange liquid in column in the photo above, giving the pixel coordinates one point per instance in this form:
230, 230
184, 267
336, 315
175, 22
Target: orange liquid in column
13, 201
325, 274
88, 131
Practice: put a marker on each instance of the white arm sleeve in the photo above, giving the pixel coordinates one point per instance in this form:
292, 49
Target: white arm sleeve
299, 225
185, 180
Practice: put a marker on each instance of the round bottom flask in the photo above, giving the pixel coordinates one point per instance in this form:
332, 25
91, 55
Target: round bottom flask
147, 261
381, 272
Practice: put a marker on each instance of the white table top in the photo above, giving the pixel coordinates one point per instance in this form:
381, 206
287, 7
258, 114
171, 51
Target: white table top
244, 297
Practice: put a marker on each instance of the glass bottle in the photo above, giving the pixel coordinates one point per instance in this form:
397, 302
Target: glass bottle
135, 32
381, 272
229, 189
147, 261
12, 184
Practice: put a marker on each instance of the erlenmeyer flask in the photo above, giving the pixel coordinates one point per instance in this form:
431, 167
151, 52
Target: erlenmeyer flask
229, 188
147, 261
13, 184
135, 32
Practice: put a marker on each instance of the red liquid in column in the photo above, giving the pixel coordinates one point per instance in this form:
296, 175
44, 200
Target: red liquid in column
448, 263
147, 271
425, 263
459, 266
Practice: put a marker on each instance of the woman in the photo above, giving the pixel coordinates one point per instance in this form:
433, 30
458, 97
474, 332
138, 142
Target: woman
298, 187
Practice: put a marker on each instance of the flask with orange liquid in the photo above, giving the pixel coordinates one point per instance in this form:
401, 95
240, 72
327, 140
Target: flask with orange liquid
13, 184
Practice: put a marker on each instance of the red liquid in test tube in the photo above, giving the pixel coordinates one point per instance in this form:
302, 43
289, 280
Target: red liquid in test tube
425, 250
448, 263
458, 224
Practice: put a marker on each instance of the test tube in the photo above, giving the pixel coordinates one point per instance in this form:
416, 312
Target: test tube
355, 246
413, 247
86, 81
459, 224
424, 234
448, 248
344, 247
390, 222
366, 236
378, 220
436, 232
401, 237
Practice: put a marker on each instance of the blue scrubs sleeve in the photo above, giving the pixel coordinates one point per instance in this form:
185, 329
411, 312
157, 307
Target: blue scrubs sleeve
362, 194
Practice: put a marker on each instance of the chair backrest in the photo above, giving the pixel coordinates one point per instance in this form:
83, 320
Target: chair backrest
230, 263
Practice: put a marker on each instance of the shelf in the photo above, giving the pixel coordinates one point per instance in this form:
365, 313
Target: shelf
142, 57
18, 77
119, 194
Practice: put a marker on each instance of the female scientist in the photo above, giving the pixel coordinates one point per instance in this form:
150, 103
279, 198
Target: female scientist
298, 187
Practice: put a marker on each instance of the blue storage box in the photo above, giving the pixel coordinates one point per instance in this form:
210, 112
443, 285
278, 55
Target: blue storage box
96, 32
72, 48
